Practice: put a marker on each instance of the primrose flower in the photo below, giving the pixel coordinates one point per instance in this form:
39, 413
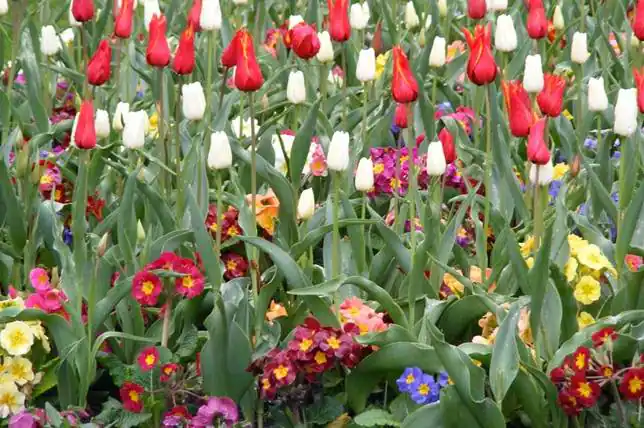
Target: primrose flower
584, 320
235, 266
12, 400
167, 370
410, 377
39, 279
18, 369
587, 290
132, 397
148, 358
191, 283
16, 338
146, 288
425, 390
632, 385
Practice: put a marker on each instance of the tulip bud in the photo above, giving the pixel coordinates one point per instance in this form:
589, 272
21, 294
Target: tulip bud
83, 130
497, 5
411, 17
325, 54
505, 36
364, 175
428, 21
359, 16
4, 7
121, 112
421, 39
49, 42
134, 129
210, 18
102, 245
219, 156
626, 112
338, 157
533, 74
597, 98
541, 174
579, 49
436, 163
102, 124
438, 53
67, 36
558, 19
150, 8
442, 8
575, 166
194, 101
296, 89
306, 204
140, 232
366, 66
293, 20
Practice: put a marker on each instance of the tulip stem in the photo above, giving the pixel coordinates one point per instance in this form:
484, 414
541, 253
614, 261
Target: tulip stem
222, 89
254, 264
218, 221
622, 200
365, 101
335, 253
211, 44
412, 205
177, 165
345, 97
165, 175
363, 217
323, 80
537, 211
487, 177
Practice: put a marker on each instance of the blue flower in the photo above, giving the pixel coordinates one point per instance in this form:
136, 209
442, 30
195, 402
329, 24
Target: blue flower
67, 236
590, 144
425, 390
617, 144
617, 155
443, 379
555, 186
583, 209
409, 377
615, 197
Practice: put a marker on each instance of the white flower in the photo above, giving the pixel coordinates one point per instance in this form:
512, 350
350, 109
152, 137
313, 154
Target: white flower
194, 101
359, 16
210, 18
497, 5
558, 19
134, 130
325, 54
19, 369
12, 401
505, 36
219, 156
150, 8
533, 74
296, 89
71, 19
438, 53
16, 338
102, 124
626, 112
306, 204
335, 79
281, 162
436, 163
293, 20
597, 98
118, 120
338, 157
364, 175
245, 127
67, 36
428, 21
579, 50
240, 1
49, 41
366, 66
545, 173
442, 8
411, 17
4, 7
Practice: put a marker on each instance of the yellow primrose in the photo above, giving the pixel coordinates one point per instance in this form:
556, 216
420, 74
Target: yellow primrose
527, 247
16, 338
567, 115
575, 243
19, 370
39, 333
153, 125
587, 290
560, 170
584, 319
381, 62
570, 269
12, 303
592, 258
11, 400
530, 262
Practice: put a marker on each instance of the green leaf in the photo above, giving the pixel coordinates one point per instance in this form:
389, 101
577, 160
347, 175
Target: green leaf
127, 224
204, 243
634, 213
505, 356
376, 418
302, 143
538, 278
429, 415
13, 216
31, 68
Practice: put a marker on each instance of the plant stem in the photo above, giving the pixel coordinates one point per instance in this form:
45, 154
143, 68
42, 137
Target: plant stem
219, 222
618, 403
165, 175
177, 163
363, 216
538, 213
365, 100
487, 177
167, 314
336, 270
412, 205
623, 203
254, 270
222, 88
323, 80
345, 97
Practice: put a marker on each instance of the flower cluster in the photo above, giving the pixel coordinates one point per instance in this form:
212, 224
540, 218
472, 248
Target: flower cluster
354, 311
391, 170
47, 297
312, 351
423, 388
490, 327
229, 223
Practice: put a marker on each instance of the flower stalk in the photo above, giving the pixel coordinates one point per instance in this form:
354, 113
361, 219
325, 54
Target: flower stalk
487, 177
413, 183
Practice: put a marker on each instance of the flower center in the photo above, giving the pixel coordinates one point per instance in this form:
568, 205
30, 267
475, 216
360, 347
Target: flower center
410, 379
585, 390
333, 342
147, 287
188, 282
320, 358
423, 389
305, 345
134, 396
150, 359
280, 372
635, 385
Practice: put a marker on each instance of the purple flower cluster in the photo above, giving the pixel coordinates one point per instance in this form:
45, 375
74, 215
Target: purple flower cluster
421, 387
391, 170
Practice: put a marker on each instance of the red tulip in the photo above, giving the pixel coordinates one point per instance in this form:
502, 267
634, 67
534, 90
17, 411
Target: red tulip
638, 22
339, 28
481, 68
449, 149
404, 87
537, 23
83, 10
248, 75
550, 99
304, 41
537, 149
400, 115
639, 84
123, 21
85, 133
158, 53
229, 55
476, 9
184, 56
98, 67
194, 15
517, 102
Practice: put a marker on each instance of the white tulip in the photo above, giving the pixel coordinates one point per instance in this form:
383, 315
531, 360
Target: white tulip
366, 66
245, 126
428, 21
150, 8
436, 163
545, 173
121, 112
533, 74
102, 124
438, 53
626, 112
70, 17
411, 17
306, 204
296, 89
4, 7
558, 19
293, 20
67, 36
49, 41
597, 98
146, 122
579, 50
364, 175
210, 18
240, 1
282, 156
134, 130
505, 36
338, 157
442, 8
497, 5
219, 156
194, 101
325, 54
359, 16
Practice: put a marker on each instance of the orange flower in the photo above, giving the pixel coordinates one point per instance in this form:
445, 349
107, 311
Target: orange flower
275, 311
266, 210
